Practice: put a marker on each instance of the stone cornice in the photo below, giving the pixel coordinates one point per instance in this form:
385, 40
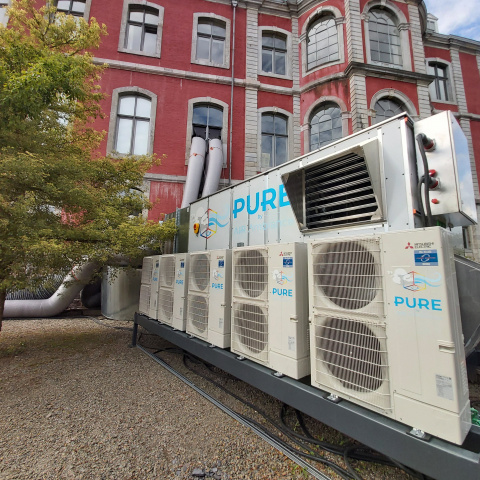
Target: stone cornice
433, 39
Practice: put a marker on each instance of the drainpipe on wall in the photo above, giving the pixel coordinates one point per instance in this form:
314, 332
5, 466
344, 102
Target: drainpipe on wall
234, 5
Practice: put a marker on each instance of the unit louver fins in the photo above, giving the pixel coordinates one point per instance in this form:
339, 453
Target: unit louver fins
198, 314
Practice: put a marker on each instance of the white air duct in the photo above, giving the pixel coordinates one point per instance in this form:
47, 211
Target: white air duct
196, 163
214, 167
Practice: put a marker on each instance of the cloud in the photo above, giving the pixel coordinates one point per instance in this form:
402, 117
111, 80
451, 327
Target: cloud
460, 18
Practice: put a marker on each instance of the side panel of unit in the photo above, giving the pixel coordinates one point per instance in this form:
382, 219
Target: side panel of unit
165, 290
145, 287
180, 291
153, 306
219, 230
240, 218
198, 226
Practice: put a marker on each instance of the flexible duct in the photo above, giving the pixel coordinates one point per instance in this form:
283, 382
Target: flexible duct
196, 163
214, 167
58, 302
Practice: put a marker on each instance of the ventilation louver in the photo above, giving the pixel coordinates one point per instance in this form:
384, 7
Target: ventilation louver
199, 272
167, 271
250, 273
197, 316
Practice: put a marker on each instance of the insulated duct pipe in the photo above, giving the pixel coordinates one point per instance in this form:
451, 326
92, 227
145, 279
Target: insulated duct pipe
196, 163
58, 302
214, 167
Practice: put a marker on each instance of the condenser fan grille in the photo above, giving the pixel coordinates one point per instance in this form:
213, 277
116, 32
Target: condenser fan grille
198, 313
339, 193
165, 298
147, 270
144, 300
348, 274
167, 271
353, 353
250, 325
250, 273
200, 272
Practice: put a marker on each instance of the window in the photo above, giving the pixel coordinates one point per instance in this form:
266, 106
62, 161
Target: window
385, 44
72, 7
274, 53
440, 87
322, 42
133, 125
141, 35
141, 30
207, 121
211, 40
325, 125
387, 108
274, 149
3, 13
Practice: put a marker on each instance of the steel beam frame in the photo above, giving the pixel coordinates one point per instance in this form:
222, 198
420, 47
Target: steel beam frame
435, 458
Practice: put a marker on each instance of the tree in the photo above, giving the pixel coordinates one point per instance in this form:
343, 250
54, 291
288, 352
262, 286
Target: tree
60, 201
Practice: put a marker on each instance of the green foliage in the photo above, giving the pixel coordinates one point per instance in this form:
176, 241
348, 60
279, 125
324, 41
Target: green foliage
59, 201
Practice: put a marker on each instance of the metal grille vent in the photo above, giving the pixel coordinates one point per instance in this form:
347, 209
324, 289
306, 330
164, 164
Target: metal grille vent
348, 274
167, 271
147, 270
197, 314
144, 300
250, 326
338, 193
353, 352
200, 272
250, 273
165, 306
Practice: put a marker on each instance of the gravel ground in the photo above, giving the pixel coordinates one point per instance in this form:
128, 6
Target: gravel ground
77, 403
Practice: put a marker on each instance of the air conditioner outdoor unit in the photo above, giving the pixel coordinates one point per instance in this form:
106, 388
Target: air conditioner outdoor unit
154, 291
209, 296
165, 290
386, 329
269, 316
145, 286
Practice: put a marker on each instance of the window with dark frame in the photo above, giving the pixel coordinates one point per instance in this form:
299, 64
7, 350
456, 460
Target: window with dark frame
211, 34
274, 53
71, 7
274, 140
385, 44
207, 121
132, 135
142, 28
440, 87
322, 42
387, 108
325, 125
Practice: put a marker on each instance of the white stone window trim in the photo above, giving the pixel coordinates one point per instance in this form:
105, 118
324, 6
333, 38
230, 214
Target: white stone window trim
226, 50
306, 119
112, 125
290, 146
451, 84
392, 94
3, 5
210, 101
123, 27
86, 13
339, 21
288, 59
403, 28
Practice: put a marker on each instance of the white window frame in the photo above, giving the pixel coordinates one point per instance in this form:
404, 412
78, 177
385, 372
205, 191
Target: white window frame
112, 126
189, 130
290, 146
314, 16
86, 13
123, 28
450, 85
392, 94
288, 57
226, 50
306, 119
403, 29
3, 5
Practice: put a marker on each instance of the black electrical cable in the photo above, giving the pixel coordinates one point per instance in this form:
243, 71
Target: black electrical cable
420, 139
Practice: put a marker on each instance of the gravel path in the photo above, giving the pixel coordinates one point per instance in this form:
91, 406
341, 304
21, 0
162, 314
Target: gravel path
76, 402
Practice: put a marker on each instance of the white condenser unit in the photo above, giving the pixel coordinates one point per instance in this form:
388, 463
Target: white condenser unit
165, 289
209, 296
145, 286
386, 329
154, 287
270, 310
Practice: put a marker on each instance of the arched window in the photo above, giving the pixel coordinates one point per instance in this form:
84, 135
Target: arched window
133, 125
274, 141
207, 121
440, 88
325, 125
384, 37
387, 108
322, 42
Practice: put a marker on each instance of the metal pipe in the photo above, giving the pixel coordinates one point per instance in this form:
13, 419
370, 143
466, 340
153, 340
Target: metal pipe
234, 5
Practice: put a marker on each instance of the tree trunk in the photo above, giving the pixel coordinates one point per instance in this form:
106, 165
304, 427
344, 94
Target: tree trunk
3, 295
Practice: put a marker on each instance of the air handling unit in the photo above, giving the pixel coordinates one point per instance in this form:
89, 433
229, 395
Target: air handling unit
269, 312
209, 296
386, 330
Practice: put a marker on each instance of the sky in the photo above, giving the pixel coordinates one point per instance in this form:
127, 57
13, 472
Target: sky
457, 18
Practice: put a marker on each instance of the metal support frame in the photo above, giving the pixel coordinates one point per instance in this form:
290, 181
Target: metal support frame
435, 458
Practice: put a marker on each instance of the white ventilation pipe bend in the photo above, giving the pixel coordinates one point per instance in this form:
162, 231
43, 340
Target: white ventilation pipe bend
196, 163
58, 302
214, 167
